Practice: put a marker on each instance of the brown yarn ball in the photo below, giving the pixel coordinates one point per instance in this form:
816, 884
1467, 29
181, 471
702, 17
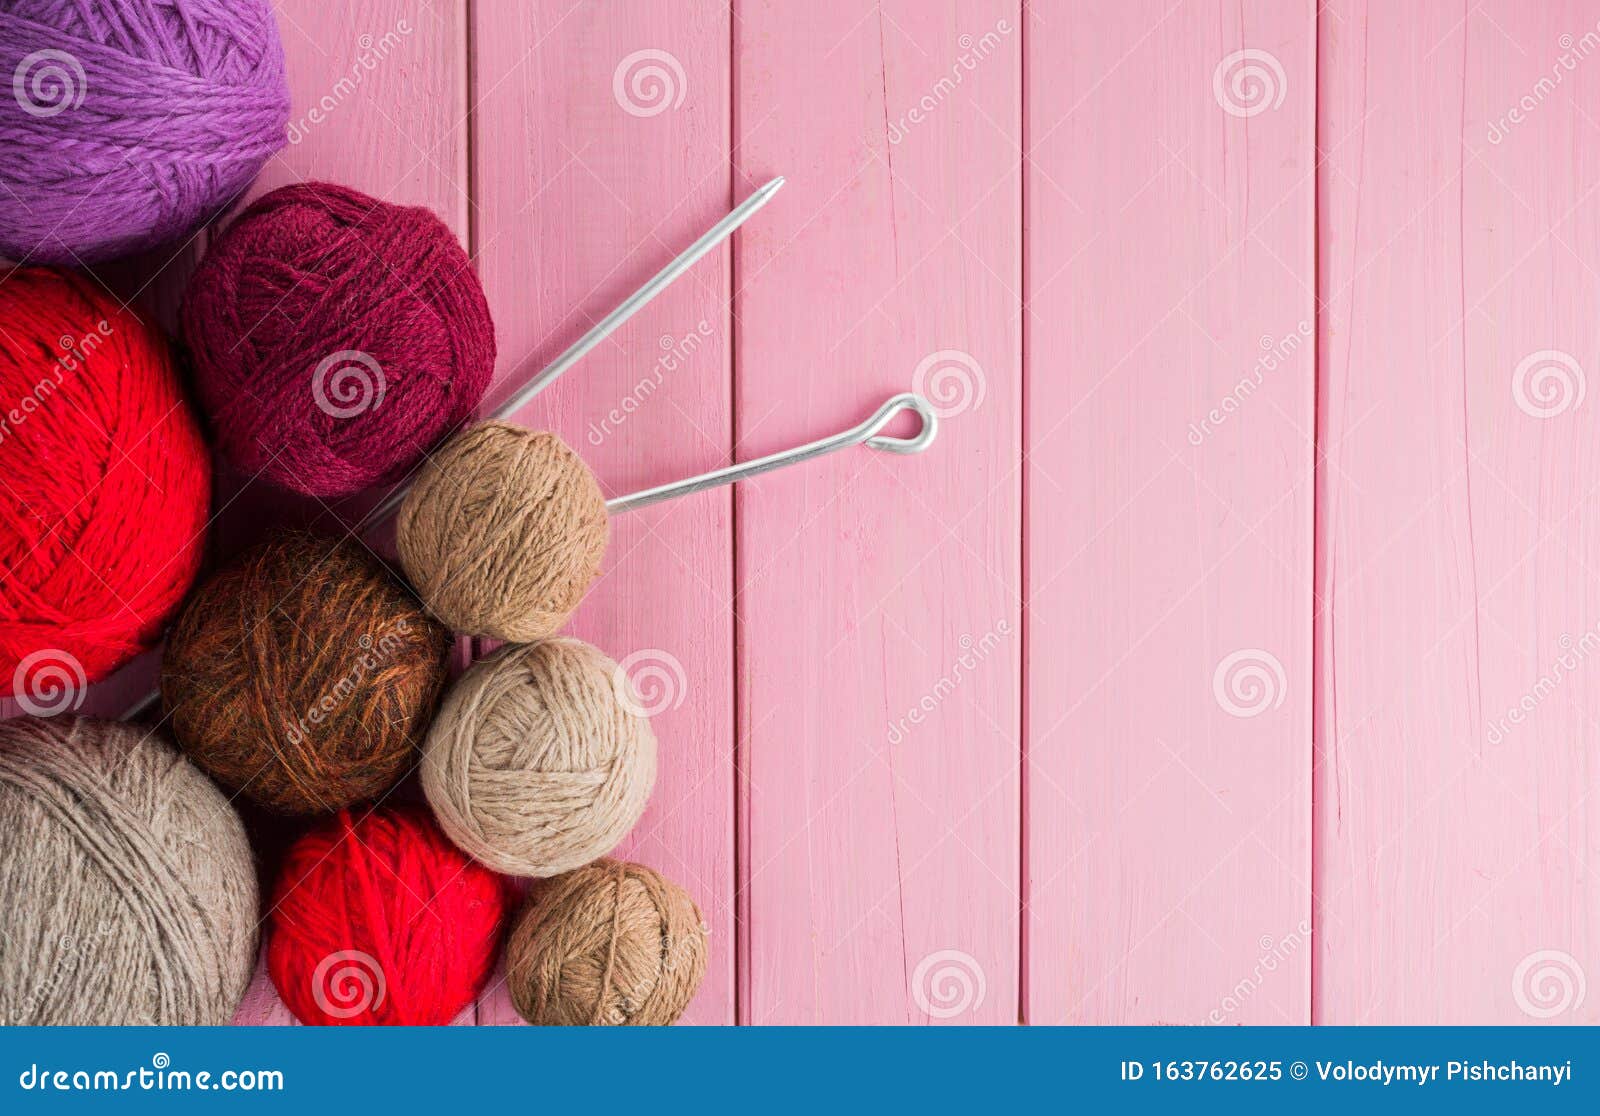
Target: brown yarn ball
503, 532
303, 674
540, 759
613, 943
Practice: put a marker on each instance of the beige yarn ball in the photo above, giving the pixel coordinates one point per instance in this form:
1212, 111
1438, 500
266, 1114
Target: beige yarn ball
503, 532
539, 760
612, 944
127, 888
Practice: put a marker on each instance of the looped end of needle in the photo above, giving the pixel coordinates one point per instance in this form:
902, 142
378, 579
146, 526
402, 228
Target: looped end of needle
921, 440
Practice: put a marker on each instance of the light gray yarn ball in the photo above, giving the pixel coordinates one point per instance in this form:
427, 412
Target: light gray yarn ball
540, 759
127, 888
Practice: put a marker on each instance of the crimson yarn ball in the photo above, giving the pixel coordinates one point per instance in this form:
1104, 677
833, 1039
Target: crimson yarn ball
105, 484
336, 338
378, 919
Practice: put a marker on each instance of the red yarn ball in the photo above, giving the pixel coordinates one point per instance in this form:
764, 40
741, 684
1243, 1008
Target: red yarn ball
336, 338
382, 921
104, 487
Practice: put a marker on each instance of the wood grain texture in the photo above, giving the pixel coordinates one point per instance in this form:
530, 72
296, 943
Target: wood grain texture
1251, 582
601, 151
379, 94
1457, 822
879, 612
1169, 513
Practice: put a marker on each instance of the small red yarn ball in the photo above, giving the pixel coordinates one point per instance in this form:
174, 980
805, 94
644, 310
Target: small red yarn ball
336, 338
105, 484
379, 920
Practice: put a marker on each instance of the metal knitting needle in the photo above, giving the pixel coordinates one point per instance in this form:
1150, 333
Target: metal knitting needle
580, 348
142, 706
865, 433
607, 325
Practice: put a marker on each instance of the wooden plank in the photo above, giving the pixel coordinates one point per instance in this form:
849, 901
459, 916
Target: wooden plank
1170, 441
378, 89
601, 151
1456, 805
879, 607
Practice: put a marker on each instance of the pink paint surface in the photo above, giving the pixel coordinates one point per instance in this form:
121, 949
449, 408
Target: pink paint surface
1225, 659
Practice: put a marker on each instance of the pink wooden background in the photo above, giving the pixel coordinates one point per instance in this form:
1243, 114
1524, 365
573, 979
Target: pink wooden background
1231, 656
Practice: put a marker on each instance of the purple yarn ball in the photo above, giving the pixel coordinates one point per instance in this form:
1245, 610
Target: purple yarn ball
131, 122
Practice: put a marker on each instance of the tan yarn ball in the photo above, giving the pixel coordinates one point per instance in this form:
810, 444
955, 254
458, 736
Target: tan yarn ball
539, 760
503, 532
127, 887
610, 944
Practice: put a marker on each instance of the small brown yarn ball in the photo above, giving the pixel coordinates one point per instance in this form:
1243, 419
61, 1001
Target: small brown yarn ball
503, 532
540, 759
613, 943
304, 674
